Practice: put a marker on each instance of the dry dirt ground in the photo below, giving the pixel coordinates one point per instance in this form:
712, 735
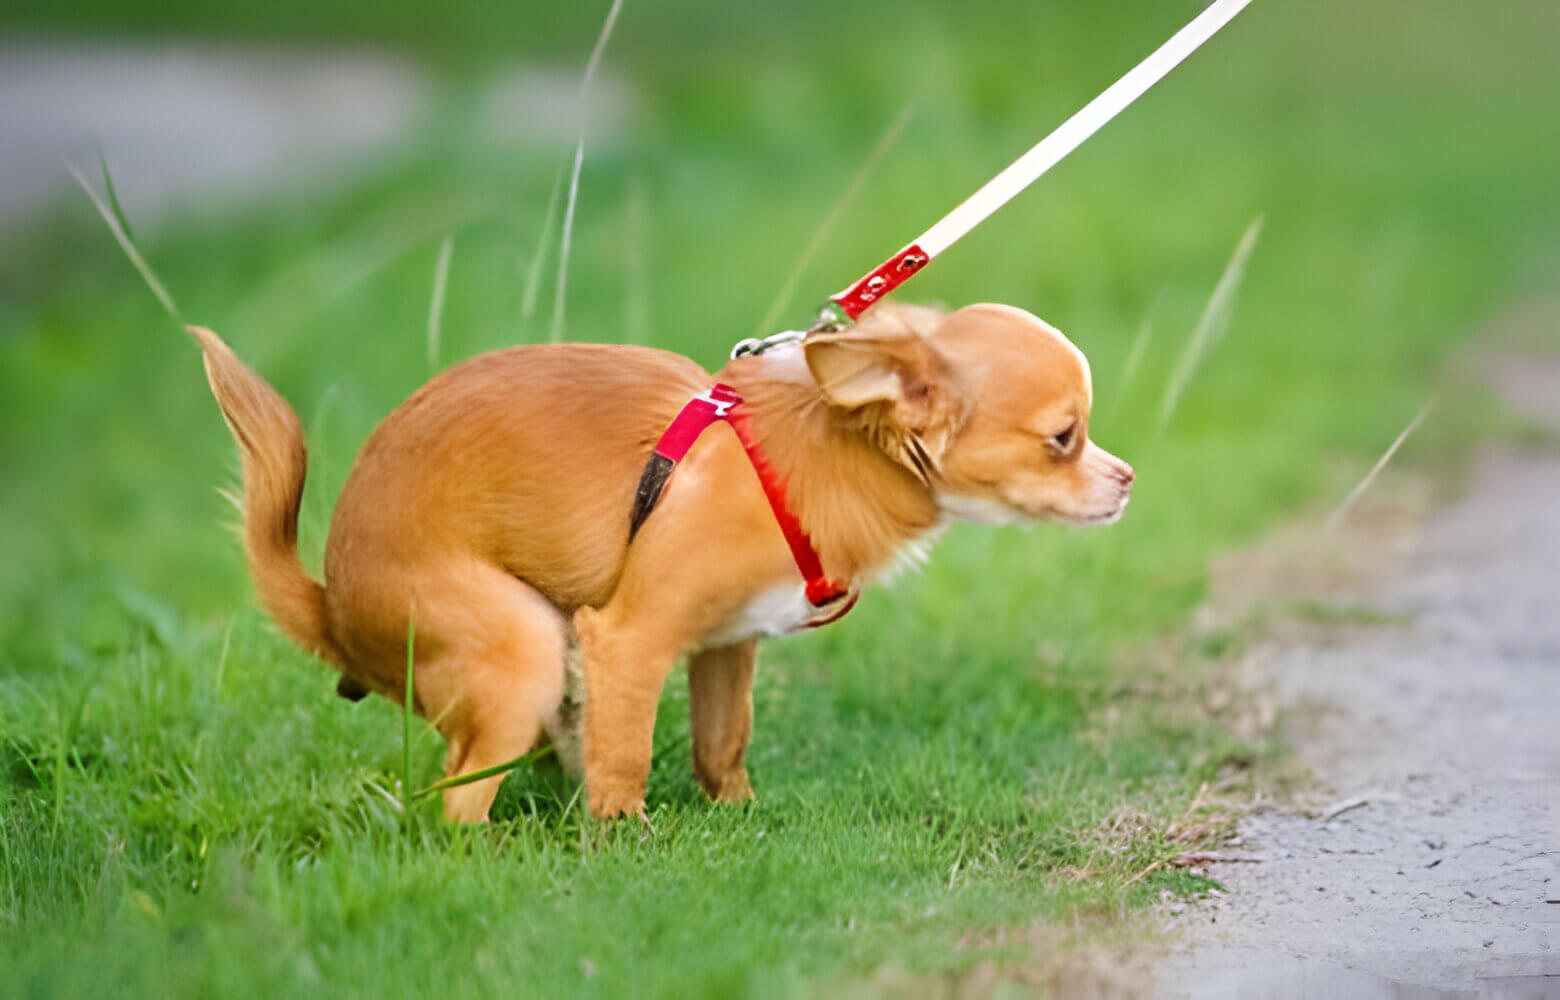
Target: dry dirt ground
1426, 860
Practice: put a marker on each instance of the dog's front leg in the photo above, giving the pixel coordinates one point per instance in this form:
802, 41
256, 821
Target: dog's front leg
720, 710
625, 668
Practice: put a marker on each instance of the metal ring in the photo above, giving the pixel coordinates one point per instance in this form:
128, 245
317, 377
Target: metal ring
754, 346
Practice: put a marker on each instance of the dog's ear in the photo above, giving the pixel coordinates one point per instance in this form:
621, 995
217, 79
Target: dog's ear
886, 357
855, 369
896, 384
851, 372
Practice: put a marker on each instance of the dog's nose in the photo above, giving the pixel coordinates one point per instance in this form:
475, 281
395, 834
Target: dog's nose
1124, 474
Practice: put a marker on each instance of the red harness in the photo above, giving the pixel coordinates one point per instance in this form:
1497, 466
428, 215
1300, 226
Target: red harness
721, 402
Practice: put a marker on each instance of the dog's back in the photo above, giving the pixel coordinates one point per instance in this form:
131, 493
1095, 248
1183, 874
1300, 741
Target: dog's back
525, 458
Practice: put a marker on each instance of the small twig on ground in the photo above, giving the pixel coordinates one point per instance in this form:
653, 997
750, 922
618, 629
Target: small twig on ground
1352, 802
1214, 857
1140, 876
1179, 824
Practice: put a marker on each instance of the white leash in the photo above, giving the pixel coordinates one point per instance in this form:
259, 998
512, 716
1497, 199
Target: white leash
857, 297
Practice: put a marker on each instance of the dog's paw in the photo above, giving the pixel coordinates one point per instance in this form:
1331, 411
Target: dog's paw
731, 787
606, 805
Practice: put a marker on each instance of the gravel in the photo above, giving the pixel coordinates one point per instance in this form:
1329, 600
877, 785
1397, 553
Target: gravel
1435, 871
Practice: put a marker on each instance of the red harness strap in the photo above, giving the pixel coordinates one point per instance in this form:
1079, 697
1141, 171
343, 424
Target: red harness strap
720, 402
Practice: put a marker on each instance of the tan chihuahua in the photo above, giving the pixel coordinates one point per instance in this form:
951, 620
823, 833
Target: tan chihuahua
494, 506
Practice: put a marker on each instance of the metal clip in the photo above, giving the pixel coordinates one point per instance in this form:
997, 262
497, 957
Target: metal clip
754, 346
831, 319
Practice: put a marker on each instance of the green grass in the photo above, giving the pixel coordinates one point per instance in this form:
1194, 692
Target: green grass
186, 808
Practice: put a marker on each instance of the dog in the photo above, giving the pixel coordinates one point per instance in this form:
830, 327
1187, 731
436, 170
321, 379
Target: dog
517, 515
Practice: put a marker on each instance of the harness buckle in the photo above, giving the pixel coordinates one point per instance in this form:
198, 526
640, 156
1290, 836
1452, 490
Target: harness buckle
721, 404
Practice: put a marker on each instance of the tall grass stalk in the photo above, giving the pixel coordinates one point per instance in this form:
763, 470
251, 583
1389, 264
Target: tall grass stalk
126, 243
332, 269
885, 142
1213, 324
591, 66
71, 724
9, 868
406, 714
1135, 355
533, 273
636, 277
222, 657
113, 197
441, 276
318, 504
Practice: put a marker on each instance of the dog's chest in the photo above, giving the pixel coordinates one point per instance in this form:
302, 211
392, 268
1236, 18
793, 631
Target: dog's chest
780, 609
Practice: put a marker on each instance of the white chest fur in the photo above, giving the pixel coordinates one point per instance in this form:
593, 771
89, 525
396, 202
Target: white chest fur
780, 609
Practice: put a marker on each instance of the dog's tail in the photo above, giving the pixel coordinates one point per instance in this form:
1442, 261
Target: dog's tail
270, 442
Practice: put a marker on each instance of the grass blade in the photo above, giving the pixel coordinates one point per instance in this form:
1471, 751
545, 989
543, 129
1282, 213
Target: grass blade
880, 149
533, 275
78, 711
127, 244
406, 713
384, 793
1145, 333
636, 279
1135, 355
1338, 515
1213, 323
591, 66
113, 197
441, 274
222, 657
471, 777
329, 270
316, 510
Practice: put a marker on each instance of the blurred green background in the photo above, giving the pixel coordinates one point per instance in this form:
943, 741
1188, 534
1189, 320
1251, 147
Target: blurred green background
1401, 156
1397, 154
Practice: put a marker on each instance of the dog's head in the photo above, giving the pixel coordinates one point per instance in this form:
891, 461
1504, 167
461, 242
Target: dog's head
987, 405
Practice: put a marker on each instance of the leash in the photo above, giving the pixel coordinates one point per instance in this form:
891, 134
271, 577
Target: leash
721, 402
857, 297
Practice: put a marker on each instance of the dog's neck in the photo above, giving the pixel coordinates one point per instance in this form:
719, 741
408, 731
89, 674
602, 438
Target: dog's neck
860, 506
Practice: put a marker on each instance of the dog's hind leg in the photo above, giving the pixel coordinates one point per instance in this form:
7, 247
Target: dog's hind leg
494, 674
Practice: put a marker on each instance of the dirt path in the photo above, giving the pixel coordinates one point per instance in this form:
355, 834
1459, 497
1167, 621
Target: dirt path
212, 124
1435, 871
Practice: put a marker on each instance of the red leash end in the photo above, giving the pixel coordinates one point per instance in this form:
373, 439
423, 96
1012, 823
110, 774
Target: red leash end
886, 277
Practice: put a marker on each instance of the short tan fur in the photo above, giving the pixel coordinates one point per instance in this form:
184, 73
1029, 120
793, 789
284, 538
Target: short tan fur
495, 502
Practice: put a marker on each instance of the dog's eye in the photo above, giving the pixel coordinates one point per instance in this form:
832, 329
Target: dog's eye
1064, 440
